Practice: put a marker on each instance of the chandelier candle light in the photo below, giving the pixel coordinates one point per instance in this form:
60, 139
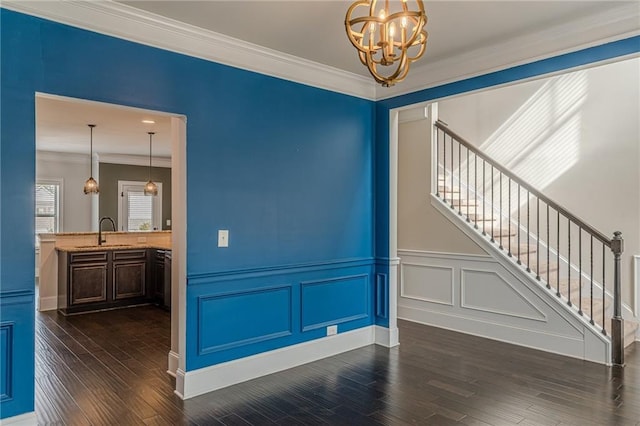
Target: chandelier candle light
389, 35
91, 186
150, 188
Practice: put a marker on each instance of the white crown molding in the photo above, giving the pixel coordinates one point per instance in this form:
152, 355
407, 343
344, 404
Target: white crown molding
616, 24
126, 22
134, 160
131, 160
63, 157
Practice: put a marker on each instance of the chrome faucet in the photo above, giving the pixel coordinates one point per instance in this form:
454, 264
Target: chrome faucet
113, 224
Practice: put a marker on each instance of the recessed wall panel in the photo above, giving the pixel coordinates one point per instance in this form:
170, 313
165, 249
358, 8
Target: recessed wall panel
427, 283
6, 349
334, 301
236, 319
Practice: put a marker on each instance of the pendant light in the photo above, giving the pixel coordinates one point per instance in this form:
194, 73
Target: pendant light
389, 36
91, 186
150, 188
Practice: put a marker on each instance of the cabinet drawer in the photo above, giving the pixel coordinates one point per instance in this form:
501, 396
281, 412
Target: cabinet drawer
119, 255
88, 256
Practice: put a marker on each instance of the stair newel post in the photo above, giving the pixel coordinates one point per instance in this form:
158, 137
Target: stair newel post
484, 194
468, 181
492, 206
436, 163
459, 179
475, 191
617, 323
509, 220
444, 166
452, 173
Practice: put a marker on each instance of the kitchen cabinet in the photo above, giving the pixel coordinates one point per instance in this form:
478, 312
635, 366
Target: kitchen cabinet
103, 279
161, 270
129, 273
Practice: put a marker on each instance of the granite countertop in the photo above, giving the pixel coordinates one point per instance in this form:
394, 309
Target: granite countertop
75, 249
62, 234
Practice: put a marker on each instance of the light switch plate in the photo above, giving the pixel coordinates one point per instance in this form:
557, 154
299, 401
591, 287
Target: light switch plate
168, 222
223, 238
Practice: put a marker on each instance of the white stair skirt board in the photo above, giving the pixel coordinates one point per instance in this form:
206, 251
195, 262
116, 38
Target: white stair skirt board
47, 303
492, 297
193, 383
173, 360
27, 419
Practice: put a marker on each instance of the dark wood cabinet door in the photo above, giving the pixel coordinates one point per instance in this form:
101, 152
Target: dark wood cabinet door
88, 283
129, 280
159, 281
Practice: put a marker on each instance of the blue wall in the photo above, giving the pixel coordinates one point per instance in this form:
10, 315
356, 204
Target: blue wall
298, 175
286, 168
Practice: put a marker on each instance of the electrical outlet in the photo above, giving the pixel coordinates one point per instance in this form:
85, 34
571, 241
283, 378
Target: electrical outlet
168, 222
332, 329
223, 238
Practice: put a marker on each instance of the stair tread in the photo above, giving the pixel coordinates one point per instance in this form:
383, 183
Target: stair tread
448, 189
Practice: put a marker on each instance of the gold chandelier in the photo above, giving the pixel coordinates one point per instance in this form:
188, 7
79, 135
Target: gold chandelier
390, 35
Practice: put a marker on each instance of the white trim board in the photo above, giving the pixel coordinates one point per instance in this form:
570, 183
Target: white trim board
172, 362
27, 419
197, 382
132, 24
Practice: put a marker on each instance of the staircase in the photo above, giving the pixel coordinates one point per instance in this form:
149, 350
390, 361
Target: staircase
572, 260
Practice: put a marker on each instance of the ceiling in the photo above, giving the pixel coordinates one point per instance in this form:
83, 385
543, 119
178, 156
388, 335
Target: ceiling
314, 30
308, 29
61, 126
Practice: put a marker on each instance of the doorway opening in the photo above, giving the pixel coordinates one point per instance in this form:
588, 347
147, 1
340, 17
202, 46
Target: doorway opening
153, 226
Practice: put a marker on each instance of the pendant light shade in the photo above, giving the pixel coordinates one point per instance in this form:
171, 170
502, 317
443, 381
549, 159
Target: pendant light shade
150, 188
91, 186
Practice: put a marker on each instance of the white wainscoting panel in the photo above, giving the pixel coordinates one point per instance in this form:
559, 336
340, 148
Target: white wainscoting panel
427, 283
478, 295
488, 291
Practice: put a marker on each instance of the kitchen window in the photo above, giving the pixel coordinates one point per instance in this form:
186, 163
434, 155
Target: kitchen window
136, 211
48, 209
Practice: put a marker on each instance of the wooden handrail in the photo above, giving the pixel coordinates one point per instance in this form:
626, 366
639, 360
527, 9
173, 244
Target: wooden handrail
562, 210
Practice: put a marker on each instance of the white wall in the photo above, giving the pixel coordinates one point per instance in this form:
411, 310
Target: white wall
420, 225
74, 170
575, 137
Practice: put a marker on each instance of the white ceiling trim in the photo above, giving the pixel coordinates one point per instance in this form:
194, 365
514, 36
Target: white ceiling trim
131, 160
126, 22
134, 160
63, 157
617, 24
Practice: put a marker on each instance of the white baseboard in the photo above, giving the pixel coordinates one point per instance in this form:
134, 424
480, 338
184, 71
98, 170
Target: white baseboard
47, 303
203, 380
27, 419
173, 363
386, 337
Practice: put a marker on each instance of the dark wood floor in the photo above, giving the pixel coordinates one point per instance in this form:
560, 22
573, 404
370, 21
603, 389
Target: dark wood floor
109, 369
